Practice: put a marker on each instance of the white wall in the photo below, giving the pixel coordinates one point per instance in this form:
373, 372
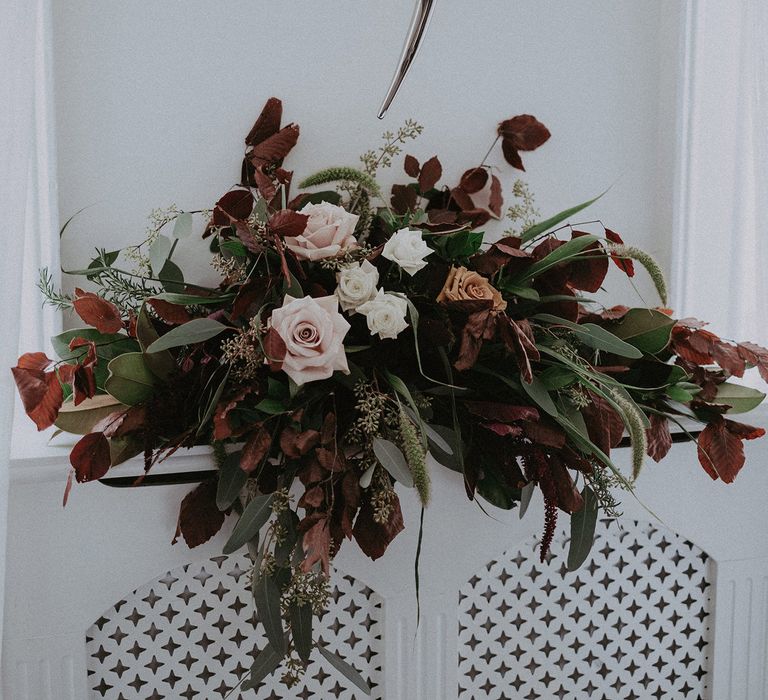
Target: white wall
154, 99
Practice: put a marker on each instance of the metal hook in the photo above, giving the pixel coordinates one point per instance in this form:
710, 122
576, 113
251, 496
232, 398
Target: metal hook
421, 17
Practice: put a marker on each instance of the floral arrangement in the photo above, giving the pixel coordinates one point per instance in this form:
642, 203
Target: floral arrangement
357, 341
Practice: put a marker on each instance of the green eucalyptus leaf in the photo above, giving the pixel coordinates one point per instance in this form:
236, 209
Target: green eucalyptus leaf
192, 299
740, 398
234, 247
271, 406
266, 595
538, 392
80, 419
594, 336
647, 329
265, 664
161, 364
557, 377
130, 380
301, 629
231, 481
583, 530
526, 494
159, 252
365, 479
254, 517
182, 227
197, 330
345, 669
560, 254
124, 448
393, 460
547, 224
171, 277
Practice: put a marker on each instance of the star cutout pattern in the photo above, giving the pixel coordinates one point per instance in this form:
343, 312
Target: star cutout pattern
193, 633
633, 622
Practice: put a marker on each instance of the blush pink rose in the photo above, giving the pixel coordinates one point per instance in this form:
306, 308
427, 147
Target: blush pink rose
329, 231
313, 331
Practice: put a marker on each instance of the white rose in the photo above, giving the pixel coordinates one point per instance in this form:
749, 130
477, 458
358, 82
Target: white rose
407, 248
356, 285
385, 314
328, 232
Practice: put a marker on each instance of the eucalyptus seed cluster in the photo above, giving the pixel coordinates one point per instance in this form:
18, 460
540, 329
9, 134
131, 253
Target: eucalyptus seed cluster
371, 406
382, 157
382, 496
577, 396
243, 353
294, 669
348, 257
523, 214
306, 588
230, 268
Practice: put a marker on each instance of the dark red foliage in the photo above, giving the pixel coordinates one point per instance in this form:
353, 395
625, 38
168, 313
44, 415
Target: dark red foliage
721, 451
90, 457
199, 517
659, 438
274, 148
317, 546
430, 174
295, 444
518, 338
40, 391
404, 199
373, 537
267, 123
411, 166
286, 223
172, 314
479, 327
624, 264
235, 205
473, 180
756, 356
521, 133
604, 424
588, 272
495, 198
256, 449
97, 312
274, 349
501, 254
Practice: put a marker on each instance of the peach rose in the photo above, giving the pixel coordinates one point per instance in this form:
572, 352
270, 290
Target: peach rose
313, 331
466, 285
329, 231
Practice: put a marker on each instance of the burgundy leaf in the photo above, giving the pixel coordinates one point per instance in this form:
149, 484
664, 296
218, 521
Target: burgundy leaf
40, 391
504, 429
462, 199
287, 223
276, 147
495, 199
97, 312
524, 132
545, 433
411, 166
374, 537
267, 124
235, 205
404, 198
659, 438
589, 270
255, 449
624, 264
721, 453
90, 457
511, 155
757, 356
473, 180
430, 174
295, 444
199, 517
274, 349
172, 314
518, 338
604, 424
317, 546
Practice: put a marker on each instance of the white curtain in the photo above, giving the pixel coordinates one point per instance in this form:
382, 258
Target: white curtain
28, 205
721, 254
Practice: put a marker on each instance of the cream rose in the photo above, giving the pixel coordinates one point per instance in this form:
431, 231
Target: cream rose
356, 285
328, 232
407, 248
466, 285
313, 331
385, 314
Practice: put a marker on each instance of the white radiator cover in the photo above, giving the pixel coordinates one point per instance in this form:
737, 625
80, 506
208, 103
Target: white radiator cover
67, 567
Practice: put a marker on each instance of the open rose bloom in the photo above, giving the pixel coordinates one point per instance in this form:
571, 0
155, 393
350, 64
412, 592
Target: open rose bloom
330, 230
313, 331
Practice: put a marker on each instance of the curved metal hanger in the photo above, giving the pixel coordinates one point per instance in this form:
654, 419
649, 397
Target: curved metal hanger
419, 23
